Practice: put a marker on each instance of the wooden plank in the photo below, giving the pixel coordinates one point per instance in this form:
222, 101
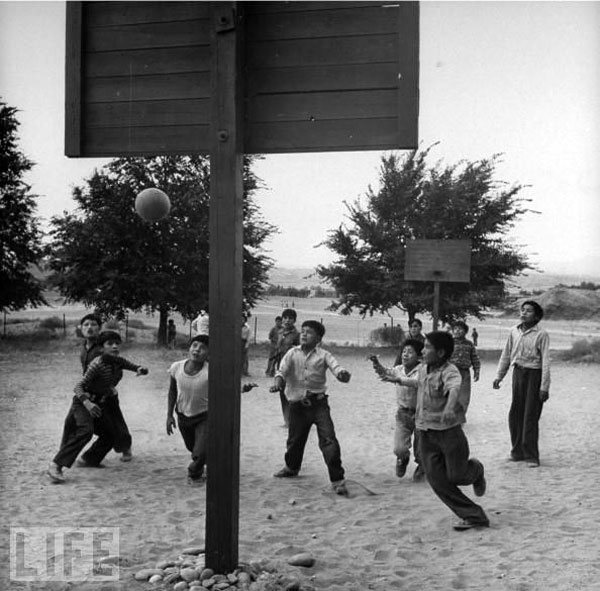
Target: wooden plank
371, 20
148, 113
319, 136
144, 36
144, 62
319, 106
122, 13
321, 52
161, 87
73, 97
145, 141
253, 8
225, 289
332, 78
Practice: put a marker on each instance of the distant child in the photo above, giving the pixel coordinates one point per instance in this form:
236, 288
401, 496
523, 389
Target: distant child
288, 338
92, 410
410, 353
527, 350
273, 341
465, 357
441, 411
474, 336
245, 345
303, 373
171, 333
188, 397
415, 327
90, 329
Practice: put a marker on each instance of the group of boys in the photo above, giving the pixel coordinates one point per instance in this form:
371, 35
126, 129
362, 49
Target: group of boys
432, 375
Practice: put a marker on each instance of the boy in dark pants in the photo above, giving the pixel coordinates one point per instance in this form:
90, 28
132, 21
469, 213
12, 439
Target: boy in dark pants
188, 396
441, 411
303, 373
92, 410
527, 350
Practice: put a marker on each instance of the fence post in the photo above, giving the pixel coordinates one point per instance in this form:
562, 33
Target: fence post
64, 325
255, 326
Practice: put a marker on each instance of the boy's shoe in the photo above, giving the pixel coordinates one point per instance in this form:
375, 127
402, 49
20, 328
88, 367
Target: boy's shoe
286, 472
464, 525
339, 488
55, 473
479, 485
401, 464
419, 474
126, 455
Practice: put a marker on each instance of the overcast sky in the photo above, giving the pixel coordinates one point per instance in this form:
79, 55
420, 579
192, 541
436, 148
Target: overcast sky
521, 78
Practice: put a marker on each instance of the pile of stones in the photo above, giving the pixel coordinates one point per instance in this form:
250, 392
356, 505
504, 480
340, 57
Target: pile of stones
188, 572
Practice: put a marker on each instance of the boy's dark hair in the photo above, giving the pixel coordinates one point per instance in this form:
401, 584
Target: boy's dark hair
316, 326
462, 324
200, 338
278, 318
93, 317
416, 345
441, 341
109, 335
415, 321
538, 310
290, 313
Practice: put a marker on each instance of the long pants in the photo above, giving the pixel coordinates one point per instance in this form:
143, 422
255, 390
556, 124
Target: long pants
445, 458
404, 433
77, 431
194, 431
112, 432
302, 418
525, 413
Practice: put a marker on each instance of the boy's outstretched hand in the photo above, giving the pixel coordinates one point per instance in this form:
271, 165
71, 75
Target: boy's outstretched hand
344, 376
248, 387
170, 425
142, 371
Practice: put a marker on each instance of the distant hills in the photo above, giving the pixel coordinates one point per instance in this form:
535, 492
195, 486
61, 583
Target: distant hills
301, 277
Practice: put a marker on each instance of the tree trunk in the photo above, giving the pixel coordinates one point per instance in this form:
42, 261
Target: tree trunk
162, 326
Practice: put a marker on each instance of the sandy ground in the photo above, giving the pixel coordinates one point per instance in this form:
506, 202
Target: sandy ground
544, 522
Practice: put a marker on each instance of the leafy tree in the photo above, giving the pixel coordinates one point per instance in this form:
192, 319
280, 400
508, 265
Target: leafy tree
20, 236
104, 255
415, 201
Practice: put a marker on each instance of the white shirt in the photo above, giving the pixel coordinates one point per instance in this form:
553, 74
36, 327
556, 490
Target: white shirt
192, 391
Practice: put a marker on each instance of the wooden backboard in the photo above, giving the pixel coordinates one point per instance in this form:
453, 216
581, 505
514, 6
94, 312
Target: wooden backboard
319, 76
438, 260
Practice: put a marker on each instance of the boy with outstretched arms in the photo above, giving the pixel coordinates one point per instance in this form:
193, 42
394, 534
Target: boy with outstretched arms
410, 355
303, 374
441, 412
92, 409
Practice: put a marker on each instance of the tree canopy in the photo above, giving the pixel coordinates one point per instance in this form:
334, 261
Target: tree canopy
104, 255
20, 236
416, 201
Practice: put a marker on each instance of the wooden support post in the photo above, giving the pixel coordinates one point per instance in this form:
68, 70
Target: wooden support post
225, 289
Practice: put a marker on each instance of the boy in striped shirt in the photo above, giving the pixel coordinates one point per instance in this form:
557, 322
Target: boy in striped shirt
92, 409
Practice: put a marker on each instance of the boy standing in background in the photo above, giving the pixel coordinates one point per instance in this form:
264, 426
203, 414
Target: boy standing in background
465, 356
527, 350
